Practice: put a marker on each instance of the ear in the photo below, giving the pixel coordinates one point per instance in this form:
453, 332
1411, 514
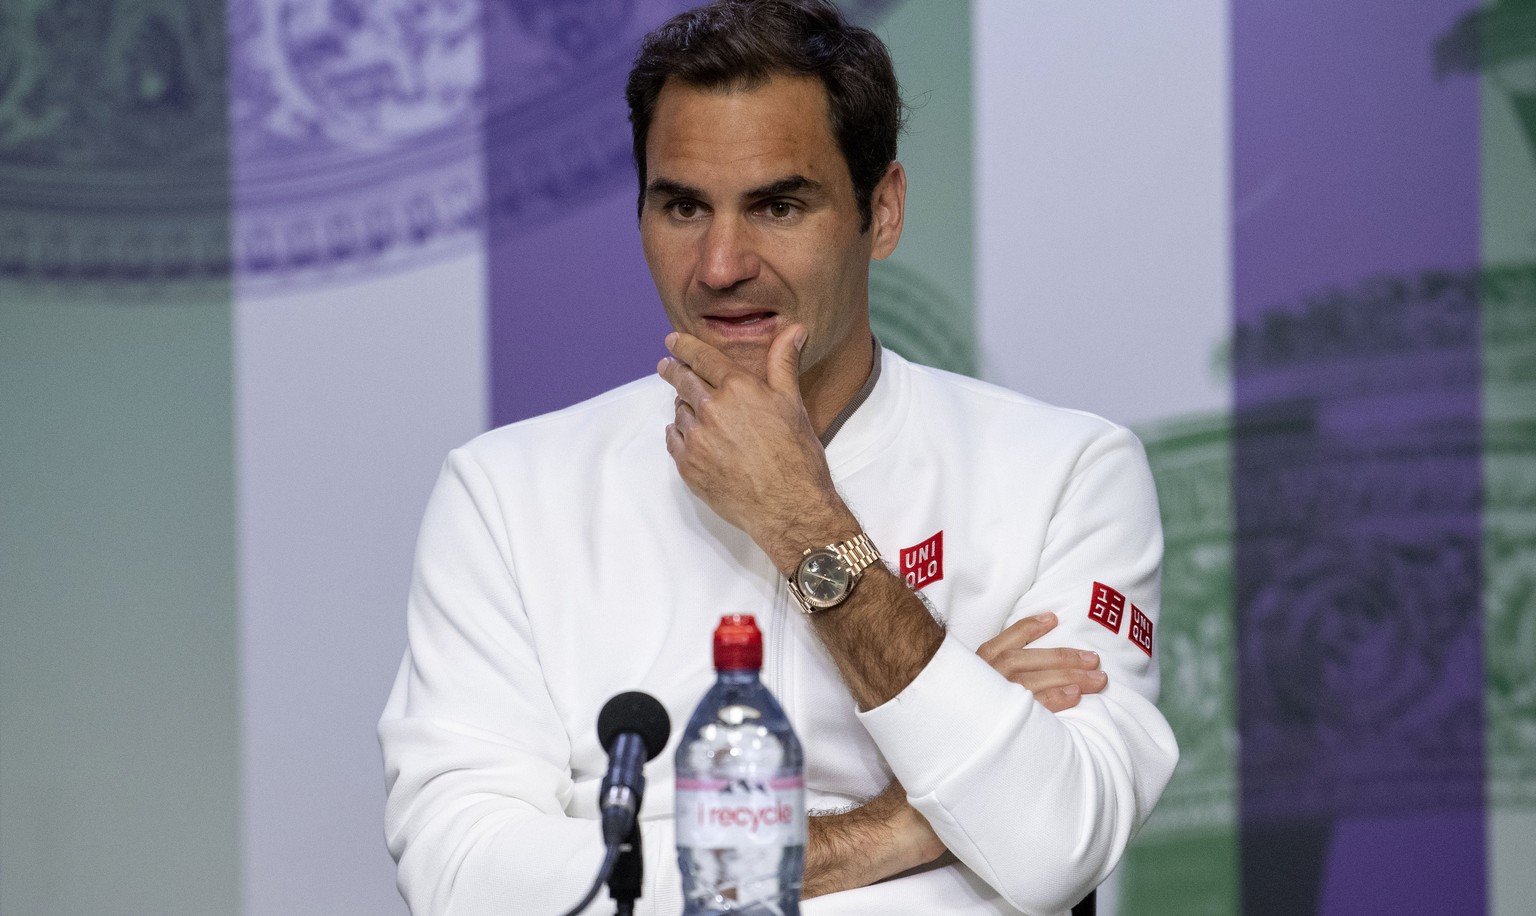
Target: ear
888, 205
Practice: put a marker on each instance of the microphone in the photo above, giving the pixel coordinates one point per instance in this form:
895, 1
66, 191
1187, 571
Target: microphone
633, 728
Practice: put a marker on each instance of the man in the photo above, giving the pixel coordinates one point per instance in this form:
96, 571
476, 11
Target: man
576, 555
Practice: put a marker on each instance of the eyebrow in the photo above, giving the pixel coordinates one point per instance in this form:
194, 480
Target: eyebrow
666, 187
786, 185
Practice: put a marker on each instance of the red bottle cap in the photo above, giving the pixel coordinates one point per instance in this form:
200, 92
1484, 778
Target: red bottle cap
738, 643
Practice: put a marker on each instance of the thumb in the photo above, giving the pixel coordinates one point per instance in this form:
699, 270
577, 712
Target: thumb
784, 359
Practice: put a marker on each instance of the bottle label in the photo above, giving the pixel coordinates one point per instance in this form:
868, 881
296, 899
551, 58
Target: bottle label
720, 813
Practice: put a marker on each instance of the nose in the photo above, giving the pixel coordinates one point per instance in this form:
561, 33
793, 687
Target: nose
730, 254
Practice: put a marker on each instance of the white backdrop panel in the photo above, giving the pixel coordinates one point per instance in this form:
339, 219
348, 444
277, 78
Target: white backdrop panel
348, 397
1102, 203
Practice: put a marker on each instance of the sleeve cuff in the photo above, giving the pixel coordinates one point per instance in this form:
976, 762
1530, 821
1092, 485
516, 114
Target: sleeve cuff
955, 705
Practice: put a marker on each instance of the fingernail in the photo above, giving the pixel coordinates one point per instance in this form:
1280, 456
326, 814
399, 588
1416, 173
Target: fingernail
800, 338
1091, 658
1071, 690
1098, 675
1046, 617
671, 339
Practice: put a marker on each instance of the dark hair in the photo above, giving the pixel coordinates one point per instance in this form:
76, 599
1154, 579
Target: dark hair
741, 44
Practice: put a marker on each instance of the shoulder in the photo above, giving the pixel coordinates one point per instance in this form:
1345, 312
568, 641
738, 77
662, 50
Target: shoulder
596, 428
943, 397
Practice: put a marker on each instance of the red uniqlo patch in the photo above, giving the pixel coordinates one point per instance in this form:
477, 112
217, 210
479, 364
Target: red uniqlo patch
1141, 630
924, 564
1107, 607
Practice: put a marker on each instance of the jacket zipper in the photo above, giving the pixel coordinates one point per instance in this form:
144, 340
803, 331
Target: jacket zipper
780, 618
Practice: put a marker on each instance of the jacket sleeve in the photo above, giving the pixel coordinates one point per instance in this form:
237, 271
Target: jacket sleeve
476, 758
1041, 806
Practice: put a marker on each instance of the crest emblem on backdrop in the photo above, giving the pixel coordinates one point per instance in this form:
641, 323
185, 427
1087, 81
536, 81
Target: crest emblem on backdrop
395, 111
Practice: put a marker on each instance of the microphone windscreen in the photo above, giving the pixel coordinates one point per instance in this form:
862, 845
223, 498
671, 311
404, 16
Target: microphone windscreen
636, 712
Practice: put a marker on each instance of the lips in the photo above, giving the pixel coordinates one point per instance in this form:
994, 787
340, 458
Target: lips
739, 317
742, 323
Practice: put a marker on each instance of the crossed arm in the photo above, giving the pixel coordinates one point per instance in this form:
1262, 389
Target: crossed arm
748, 448
886, 835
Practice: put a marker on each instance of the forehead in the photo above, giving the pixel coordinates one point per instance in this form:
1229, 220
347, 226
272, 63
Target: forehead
744, 136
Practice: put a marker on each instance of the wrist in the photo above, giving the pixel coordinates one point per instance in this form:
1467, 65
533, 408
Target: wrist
916, 843
786, 545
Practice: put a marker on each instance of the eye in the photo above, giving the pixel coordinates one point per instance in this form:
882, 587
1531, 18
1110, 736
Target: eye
684, 209
780, 210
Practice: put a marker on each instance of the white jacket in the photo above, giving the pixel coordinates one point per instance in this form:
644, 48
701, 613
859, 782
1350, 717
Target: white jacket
562, 560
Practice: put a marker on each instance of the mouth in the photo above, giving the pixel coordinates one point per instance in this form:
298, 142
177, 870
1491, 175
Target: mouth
741, 323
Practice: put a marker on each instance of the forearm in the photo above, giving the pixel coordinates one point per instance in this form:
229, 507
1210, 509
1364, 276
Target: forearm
883, 837
882, 636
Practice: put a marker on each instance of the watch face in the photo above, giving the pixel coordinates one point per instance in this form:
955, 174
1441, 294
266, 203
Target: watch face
823, 578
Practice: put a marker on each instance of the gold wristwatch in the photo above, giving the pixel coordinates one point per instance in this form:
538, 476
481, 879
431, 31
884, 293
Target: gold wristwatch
826, 575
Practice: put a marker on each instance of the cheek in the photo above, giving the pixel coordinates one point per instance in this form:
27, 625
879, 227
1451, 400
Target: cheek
665, 254
811, 265
653, 255
841, 276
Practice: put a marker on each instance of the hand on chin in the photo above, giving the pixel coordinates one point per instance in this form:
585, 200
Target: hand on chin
751, 356
747, 350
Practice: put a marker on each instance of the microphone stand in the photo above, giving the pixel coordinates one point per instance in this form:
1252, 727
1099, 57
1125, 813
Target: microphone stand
628, 873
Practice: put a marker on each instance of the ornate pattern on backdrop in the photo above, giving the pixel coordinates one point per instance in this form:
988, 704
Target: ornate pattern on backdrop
355, 136
113, 150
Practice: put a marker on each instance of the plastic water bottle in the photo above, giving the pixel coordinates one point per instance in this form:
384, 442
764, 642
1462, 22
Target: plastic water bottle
740, 790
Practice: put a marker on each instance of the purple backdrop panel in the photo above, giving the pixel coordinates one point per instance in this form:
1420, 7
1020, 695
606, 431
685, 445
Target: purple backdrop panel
1356, 463
1351, 158
573, 311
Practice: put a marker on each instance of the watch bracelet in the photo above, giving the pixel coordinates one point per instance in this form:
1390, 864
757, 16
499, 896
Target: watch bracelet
859, 553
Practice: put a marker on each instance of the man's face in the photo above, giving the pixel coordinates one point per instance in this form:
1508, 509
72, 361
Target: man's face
750, 224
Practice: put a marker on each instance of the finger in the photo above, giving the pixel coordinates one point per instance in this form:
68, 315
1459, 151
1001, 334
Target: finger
674, 440
684, 381
684, 419
1018, 634
705, 361
1036, 681
1048, 659
1024, 631
784, 359
1059, 698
